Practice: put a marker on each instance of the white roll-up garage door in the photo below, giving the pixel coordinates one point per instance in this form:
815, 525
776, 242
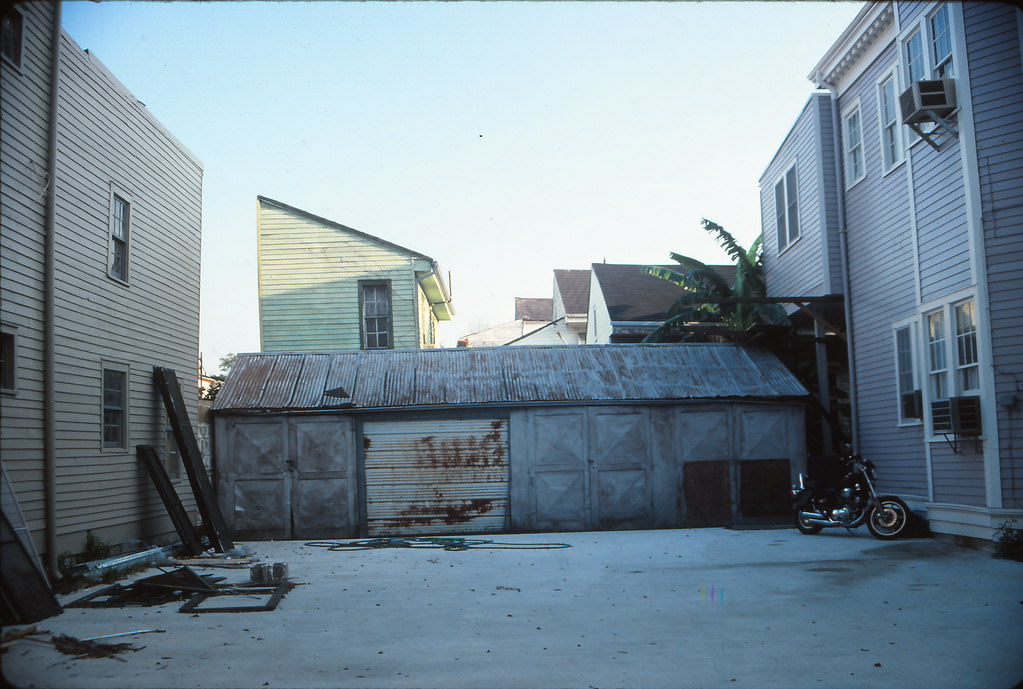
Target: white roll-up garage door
436, 476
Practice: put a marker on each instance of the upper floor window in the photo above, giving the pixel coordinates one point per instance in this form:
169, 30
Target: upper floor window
936, 356
916, 67
786, 208
11, 31
115, 404
891, 126
375, 305
120, 232
941, 44
853, 137
967, 368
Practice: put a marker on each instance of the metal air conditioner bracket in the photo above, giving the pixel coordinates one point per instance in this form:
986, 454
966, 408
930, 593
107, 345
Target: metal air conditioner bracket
942, 124
953, 441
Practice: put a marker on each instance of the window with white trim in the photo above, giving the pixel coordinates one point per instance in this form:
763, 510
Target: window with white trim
913, 50
910, 399
937, 359
890, 122
786, 208
941, 44
120, 233
852, 135
375, 306
967, 368
115, 408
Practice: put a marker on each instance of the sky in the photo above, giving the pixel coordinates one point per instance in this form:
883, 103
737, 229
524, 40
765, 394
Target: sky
503, 139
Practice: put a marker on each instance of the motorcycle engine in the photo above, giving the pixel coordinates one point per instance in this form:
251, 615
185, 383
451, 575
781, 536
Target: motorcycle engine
840, 515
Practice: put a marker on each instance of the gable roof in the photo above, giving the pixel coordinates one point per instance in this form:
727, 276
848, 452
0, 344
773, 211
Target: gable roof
632, 295
343, 228
431, 282
534, 309
504, 376
574, 286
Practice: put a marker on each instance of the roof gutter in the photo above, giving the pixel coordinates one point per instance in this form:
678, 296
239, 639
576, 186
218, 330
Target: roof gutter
445, 296
50, 306
843, 241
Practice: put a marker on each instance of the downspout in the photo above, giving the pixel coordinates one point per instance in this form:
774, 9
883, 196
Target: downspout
843, 243
49, 308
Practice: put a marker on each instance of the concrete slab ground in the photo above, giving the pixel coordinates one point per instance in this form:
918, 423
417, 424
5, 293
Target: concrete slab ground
685, 608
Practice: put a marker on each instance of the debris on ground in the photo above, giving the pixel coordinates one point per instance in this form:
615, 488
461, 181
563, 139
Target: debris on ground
69, 645
183, 584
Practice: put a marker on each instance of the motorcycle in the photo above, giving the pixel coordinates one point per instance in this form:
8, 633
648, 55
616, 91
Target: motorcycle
852, 502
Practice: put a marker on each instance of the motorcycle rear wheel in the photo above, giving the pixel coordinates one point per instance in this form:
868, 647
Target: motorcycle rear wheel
888, 520
806, 527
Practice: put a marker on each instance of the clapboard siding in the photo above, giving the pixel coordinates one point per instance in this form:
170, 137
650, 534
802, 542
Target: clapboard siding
810, 264
24, 99
996, 79
910, 11
882, 285
958, 477
309, 275
105, 137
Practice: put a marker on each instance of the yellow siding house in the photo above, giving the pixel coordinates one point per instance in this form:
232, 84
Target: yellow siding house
327, 287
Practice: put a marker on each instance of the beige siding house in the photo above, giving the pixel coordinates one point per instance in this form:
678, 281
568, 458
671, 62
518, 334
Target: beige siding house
327, 287
101, 227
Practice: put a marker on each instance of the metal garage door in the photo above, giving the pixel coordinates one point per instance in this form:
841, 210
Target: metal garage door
436, 476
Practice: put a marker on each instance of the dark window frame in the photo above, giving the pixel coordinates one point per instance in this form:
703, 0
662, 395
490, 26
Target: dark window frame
13, 36
369, 336
114, 406
9, 361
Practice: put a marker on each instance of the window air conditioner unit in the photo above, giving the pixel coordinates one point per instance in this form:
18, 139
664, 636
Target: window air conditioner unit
957, 416
922, 98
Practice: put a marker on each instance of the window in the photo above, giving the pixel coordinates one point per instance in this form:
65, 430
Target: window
115, 397
941, 44
375, 304
786, 207
936, 357
11, 27
891, 125
967, 369
120, 226
916, 69
8, 363
910, 401
853, 135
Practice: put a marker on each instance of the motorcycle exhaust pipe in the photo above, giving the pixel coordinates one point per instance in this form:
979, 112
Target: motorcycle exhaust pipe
817, 518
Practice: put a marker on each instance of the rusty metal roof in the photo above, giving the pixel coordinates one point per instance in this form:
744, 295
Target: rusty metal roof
509, 376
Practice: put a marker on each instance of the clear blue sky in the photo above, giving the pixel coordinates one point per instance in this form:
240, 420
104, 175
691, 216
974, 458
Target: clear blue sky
503, 139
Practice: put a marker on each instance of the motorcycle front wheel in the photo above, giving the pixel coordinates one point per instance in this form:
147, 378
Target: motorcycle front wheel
888, 519
805, 526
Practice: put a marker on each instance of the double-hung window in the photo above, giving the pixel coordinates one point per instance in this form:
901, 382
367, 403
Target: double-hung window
941, 44
967, 368
120, 232
937, 358
115, 405
786, 208
890, 121
852, 133
375, 305
11, 31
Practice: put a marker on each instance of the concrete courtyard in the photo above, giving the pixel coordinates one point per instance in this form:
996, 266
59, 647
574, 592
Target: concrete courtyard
680, 608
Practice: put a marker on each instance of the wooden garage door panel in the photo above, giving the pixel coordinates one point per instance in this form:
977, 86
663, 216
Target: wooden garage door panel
764, 488
623, 499
764, 433
322, 447
323, 509
259, 505
259, 448
620, 439
561, 500
705, 434
559, 440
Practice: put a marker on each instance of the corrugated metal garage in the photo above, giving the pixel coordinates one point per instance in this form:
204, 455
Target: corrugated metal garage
479, 440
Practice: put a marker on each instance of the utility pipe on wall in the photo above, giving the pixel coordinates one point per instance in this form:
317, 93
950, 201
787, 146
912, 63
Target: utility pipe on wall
843, 242
49, 306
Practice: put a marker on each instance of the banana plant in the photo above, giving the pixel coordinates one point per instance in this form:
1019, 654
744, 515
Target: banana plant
699, 282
